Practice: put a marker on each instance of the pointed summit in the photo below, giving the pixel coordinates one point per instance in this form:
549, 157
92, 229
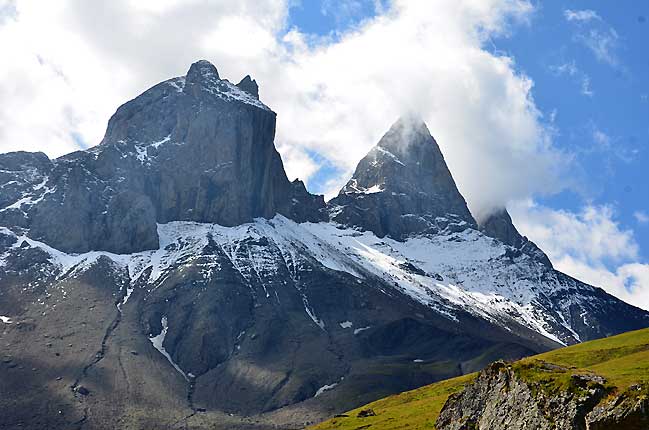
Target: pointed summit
402, 186
192, 148
200, 70
406, 131
499, 225
250, 86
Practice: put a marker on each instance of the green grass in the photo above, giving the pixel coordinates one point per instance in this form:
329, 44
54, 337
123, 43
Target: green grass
622, 360
417, 409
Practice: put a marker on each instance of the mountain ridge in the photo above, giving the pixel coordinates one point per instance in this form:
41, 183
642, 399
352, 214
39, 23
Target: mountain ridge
175, 262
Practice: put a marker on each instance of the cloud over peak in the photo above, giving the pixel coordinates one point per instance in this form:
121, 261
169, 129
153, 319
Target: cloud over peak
590, 245
334, 97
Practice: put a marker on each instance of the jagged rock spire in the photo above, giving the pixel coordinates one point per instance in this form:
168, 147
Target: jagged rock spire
250, 86
402, 186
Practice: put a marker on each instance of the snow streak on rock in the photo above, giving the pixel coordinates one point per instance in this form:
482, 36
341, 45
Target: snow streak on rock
158, 343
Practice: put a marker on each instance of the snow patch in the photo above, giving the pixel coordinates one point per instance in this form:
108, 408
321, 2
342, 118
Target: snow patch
129, 291
346, 324
158, 342
177, 83
389, 154
312, 315
361, 329
325, 388
143, 149
225, 90
373, 189
30, 198
5, 320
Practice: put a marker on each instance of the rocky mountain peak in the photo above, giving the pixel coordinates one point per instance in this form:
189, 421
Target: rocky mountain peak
402, 186
201, 70
193, 148
250, 86
406, 131
225, 303
499, 225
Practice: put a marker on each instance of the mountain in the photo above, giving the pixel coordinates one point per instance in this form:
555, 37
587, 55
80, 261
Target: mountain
173, 276
598, 385
195, 148
402, 187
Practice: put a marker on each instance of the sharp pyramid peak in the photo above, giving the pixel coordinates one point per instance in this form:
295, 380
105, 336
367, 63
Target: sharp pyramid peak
407, 132
410, 121
402, 186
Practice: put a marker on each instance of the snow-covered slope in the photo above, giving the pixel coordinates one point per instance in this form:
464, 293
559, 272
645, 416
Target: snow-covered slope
450, 271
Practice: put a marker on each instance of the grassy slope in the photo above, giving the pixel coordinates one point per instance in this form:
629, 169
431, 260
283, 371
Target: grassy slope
623, 360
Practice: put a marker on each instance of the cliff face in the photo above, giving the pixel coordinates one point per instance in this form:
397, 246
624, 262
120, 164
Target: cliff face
193, 148
543, 396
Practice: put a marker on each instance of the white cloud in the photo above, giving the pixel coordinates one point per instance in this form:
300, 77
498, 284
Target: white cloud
590, 246
591, 235
298, 164
581, 15
67, 69
477, 106
342, 10
609, 146
629, 282
599, 37
603, 44
641, 217
570, 69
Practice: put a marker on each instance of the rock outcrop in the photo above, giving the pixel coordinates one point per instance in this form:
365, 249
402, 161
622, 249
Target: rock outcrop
626, 411
543, 396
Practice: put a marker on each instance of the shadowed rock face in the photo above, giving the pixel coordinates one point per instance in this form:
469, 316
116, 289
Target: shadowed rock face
194, 148
402, 187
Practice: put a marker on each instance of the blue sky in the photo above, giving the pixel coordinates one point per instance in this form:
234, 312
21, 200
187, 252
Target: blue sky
591, 83
607, 124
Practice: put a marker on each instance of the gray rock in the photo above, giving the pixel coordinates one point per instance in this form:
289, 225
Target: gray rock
500, 399
627, 411
499, 225
194, 148
250, 86
402, 187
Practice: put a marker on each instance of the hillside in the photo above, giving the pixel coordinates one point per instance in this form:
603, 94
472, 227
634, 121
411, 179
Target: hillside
623, 361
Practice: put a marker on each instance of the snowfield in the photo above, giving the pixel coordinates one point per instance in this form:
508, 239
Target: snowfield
447, 272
